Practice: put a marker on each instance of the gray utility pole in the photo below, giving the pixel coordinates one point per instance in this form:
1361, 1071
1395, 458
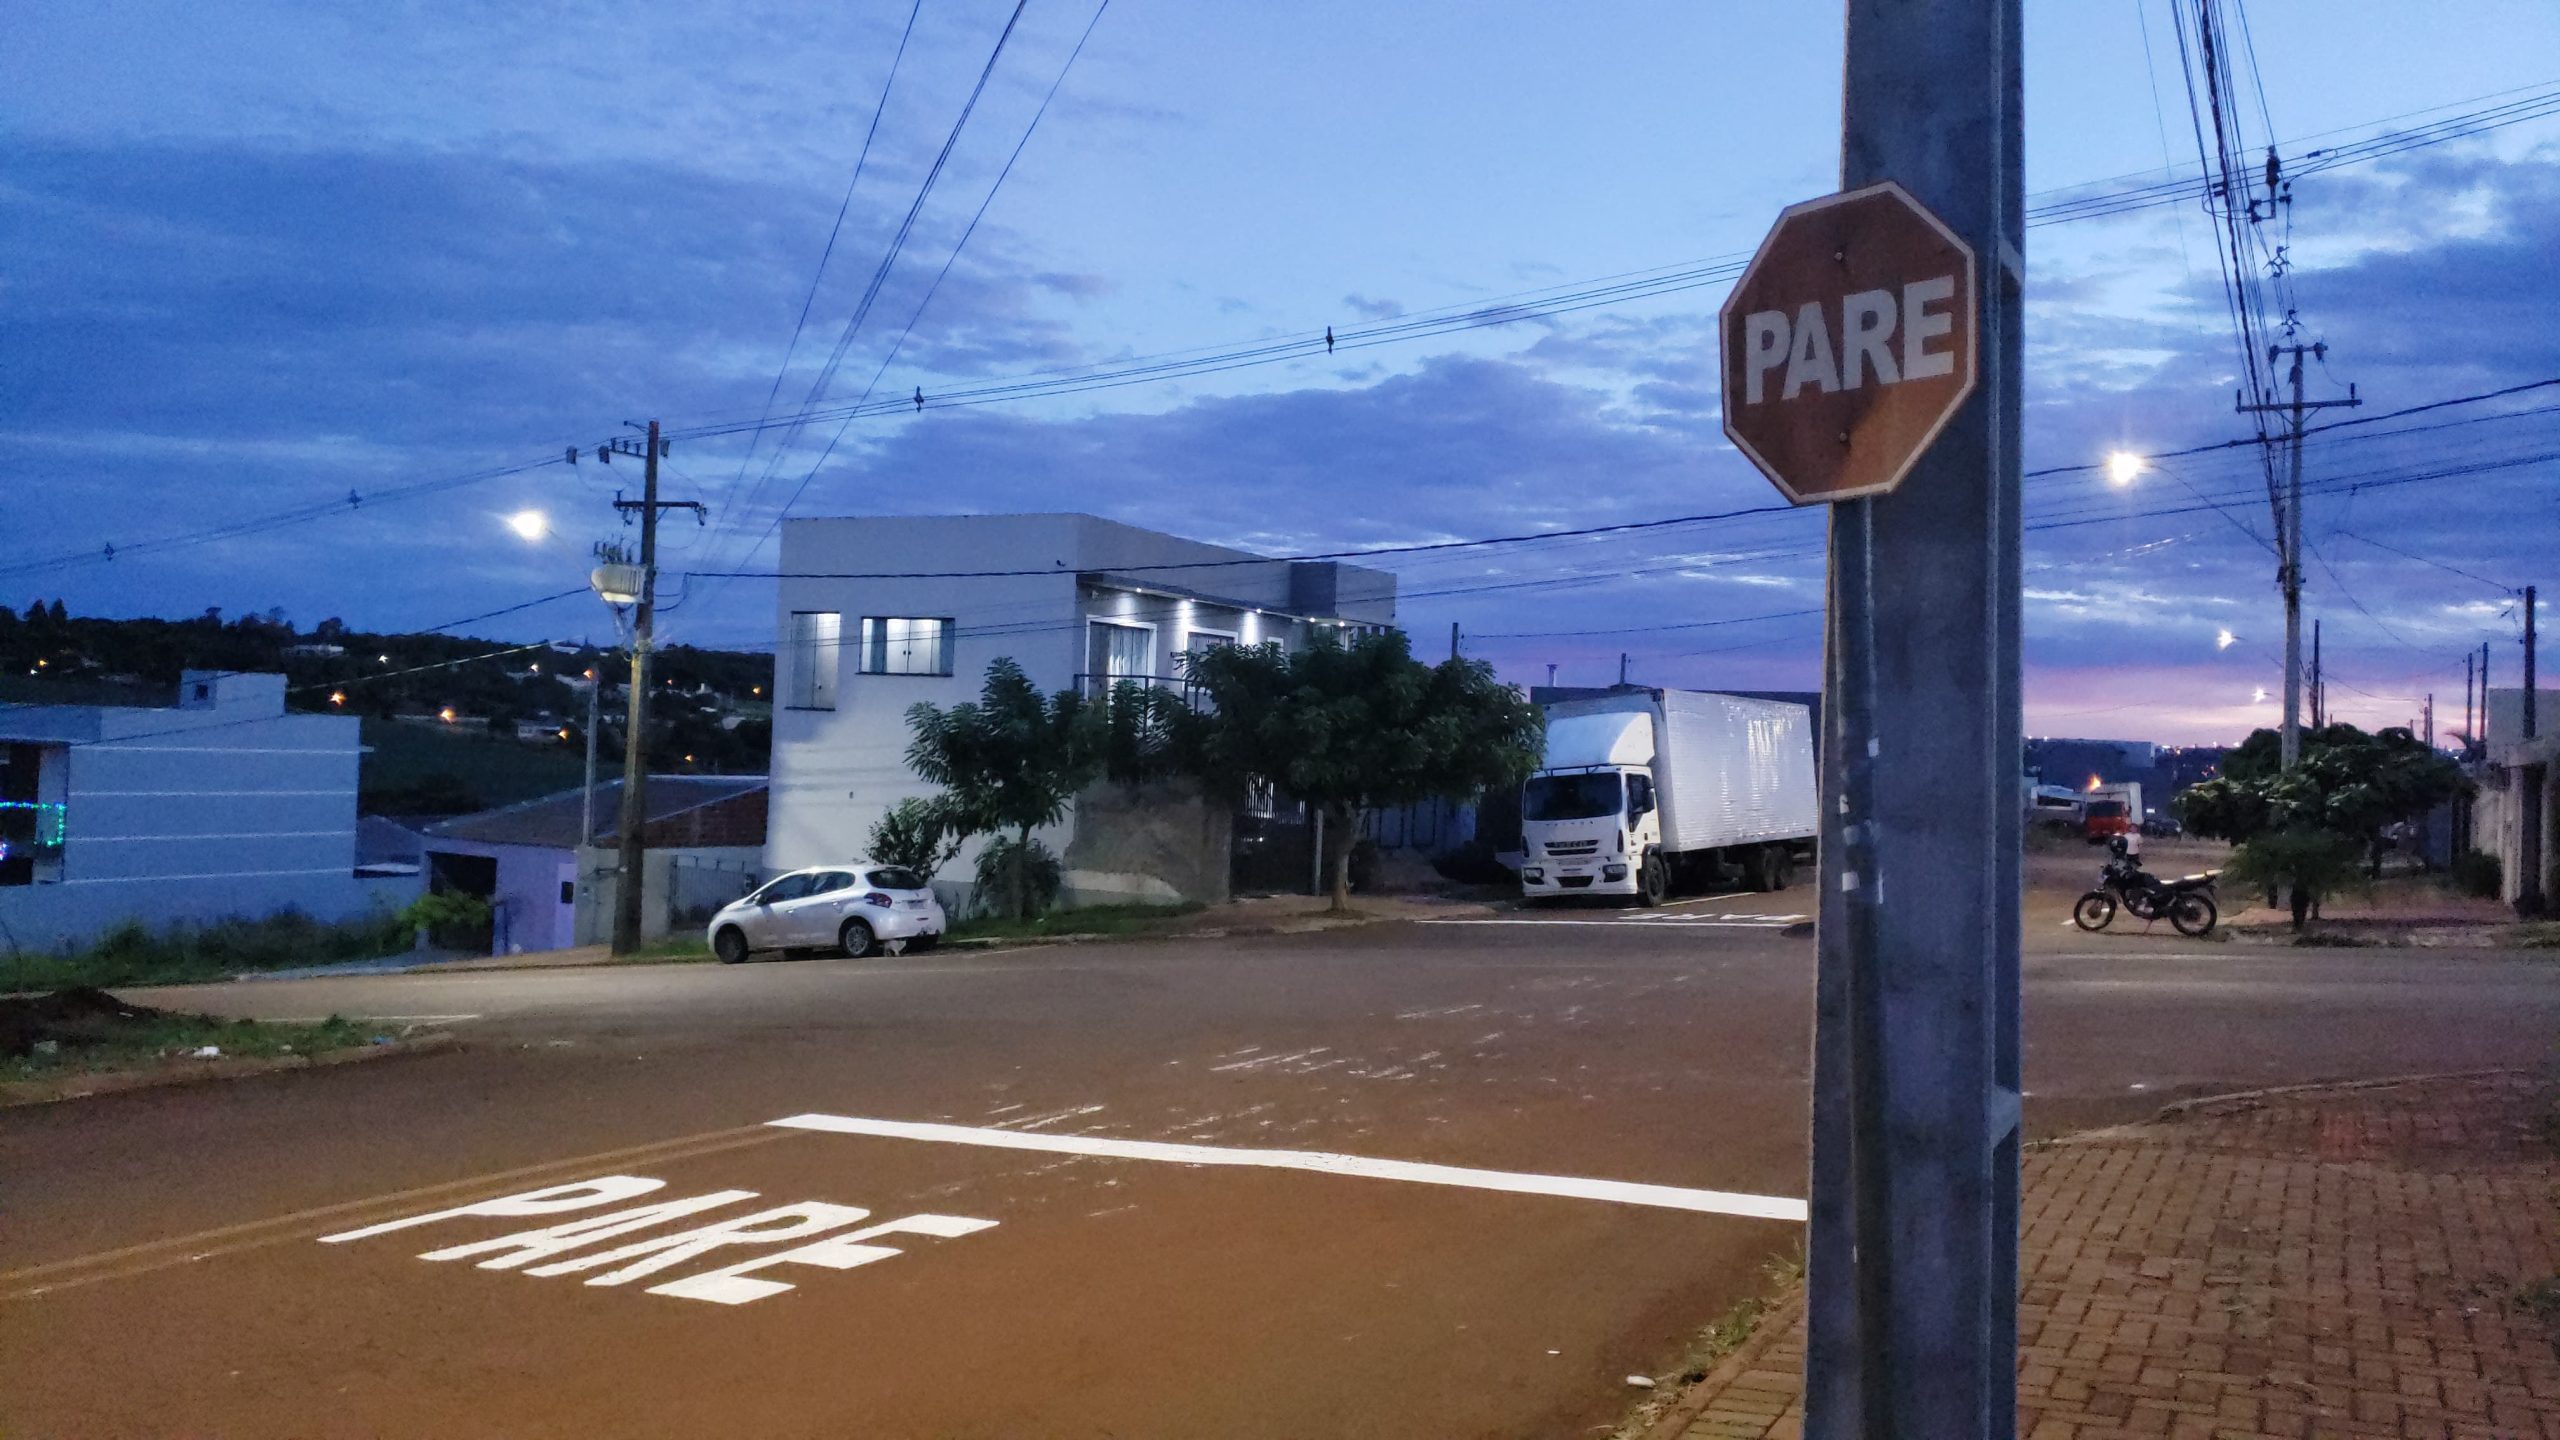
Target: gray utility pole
2469, 732
2529, 783
1913, 1245
587, 805
2319, 682
635, 765
2289, 531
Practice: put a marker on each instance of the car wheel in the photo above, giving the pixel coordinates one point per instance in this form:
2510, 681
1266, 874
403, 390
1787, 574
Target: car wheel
729, 945
857, 940
2094, 910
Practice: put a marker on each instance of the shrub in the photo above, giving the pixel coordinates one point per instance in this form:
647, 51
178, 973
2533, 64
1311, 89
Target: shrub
916, 836
2475, 872
131, 954
2312, 864
450, 918
1041, 876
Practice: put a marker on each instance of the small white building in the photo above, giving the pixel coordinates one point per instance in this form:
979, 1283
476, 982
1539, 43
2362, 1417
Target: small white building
224, 806
877, 614
548, 888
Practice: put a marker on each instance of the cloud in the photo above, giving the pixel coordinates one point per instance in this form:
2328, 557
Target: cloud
1368, 309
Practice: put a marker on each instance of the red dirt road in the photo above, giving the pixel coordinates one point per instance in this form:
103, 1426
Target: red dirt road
162, 1272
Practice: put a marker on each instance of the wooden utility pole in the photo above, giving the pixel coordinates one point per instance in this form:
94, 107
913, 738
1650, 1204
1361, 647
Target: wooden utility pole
630, 879
2289, 532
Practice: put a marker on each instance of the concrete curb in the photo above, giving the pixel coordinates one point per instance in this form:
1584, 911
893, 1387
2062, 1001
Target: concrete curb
230, 1067
1776, 1321
2234, 1101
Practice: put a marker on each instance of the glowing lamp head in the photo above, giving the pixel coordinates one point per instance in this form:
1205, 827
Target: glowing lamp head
337, 697
2222, 639
529, 524
2258, 696
2122, 467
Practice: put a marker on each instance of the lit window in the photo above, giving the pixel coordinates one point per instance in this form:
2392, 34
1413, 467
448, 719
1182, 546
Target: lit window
902, 645
815, 637
1121, 652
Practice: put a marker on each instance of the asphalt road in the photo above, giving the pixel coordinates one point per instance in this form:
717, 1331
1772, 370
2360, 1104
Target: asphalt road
1526, 1160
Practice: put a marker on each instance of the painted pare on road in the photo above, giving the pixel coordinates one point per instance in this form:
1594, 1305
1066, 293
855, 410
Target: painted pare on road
820, 1235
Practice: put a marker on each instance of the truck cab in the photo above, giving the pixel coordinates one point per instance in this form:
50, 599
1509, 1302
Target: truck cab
1588, 830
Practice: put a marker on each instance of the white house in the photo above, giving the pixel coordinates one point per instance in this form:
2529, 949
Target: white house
878, 614
224, 806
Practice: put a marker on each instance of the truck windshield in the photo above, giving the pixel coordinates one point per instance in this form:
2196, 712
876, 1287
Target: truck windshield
1571, 797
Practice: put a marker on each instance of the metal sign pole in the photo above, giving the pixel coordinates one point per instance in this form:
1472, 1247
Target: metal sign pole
1912, 1310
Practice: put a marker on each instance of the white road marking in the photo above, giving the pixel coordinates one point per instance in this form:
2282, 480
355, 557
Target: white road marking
1621, 1192
376, 1019
1681, 922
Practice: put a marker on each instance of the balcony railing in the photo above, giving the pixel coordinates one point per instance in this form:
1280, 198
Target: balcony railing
1098, 688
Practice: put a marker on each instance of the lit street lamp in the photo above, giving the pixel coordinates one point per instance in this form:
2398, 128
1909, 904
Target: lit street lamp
529, 524
2122, 467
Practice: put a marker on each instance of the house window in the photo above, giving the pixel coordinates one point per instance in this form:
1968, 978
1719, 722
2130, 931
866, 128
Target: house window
816, 636
899, 645
1121, 652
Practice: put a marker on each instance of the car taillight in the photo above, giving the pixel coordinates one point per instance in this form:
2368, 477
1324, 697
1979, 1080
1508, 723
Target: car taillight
879, 898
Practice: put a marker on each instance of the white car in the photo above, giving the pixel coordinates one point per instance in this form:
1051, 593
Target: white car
854, 907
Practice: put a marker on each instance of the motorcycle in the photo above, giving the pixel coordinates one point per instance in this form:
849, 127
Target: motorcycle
2186, 903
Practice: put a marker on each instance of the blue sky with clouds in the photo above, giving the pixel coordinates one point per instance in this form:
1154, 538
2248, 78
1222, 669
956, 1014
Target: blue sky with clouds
260, 255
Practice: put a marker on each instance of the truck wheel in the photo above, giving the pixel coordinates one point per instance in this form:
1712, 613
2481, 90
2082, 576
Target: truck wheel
1780, 867
1653, 882
1755, 869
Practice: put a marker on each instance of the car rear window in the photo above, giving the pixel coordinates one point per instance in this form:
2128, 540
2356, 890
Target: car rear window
890, 877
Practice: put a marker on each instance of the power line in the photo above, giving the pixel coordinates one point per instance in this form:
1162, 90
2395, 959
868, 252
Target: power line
828, 252
931, 290
1627, 287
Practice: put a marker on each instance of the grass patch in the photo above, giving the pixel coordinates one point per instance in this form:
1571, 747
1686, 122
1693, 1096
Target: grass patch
682, 949
71, 1033
133, 955
1089, 920
2541, 1299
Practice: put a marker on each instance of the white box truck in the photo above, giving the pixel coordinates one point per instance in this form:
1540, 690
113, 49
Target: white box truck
1644, 792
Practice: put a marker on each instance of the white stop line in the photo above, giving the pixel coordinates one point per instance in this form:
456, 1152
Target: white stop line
1659, 922
1621, 1192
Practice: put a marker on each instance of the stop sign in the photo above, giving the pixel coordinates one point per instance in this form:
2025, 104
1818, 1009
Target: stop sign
1848, 343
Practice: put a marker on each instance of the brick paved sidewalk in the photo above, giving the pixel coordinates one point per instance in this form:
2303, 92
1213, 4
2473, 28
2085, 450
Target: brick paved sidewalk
2350, 1261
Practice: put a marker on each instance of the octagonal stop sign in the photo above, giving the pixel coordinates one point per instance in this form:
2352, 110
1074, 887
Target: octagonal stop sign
1848, 343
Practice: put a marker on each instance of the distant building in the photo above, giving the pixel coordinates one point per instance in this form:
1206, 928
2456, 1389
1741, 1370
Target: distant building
2513, 771
702, 847
1085, 604
223, 806
315, 650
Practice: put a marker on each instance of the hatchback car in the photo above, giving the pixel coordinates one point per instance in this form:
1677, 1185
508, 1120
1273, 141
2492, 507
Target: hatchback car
855, 907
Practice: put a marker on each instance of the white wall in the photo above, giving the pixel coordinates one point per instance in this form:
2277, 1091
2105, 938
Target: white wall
226, 806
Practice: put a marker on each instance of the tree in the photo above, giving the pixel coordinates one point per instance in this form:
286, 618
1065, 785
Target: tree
59, 616
2347, 787
1008, 761
1352, 728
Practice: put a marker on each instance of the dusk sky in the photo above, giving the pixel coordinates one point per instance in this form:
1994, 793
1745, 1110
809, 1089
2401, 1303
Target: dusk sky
258, 255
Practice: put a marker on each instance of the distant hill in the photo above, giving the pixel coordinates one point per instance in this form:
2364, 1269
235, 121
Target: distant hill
453, 723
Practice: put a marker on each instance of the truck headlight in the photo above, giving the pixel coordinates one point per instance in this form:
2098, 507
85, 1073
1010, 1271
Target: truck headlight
1613, 872
1534, 875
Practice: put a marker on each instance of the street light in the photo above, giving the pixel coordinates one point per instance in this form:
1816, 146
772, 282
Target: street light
2122, 467
2224, 639
529, 524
